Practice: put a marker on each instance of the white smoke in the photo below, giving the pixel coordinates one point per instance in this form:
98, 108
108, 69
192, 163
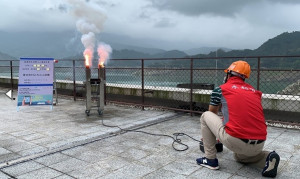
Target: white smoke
85, 27
90, 22
103, 52
88, 41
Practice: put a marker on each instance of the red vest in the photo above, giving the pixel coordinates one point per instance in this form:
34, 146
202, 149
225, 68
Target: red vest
242, 110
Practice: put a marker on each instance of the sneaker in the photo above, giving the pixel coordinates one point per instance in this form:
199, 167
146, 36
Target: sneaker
209, 163
272, 162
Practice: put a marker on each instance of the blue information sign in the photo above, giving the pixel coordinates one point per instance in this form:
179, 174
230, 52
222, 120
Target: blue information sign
35, 81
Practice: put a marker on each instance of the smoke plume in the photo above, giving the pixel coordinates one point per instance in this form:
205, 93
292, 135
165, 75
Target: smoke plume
90, 20
103, 52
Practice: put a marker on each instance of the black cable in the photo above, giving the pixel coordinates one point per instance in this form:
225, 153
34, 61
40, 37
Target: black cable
175, 139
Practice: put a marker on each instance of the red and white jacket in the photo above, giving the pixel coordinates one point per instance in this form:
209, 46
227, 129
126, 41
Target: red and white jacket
242, 110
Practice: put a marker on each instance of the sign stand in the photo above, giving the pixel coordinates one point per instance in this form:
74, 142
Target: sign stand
35, 82
54, 84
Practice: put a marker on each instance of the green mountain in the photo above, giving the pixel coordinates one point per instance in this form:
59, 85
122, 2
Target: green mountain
204, 50
170, 54
284, 44
4, 56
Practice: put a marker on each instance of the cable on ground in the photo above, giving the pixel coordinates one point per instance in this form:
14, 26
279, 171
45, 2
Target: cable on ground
175, 136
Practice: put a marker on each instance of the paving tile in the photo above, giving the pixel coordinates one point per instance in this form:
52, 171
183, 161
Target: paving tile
291, 170
33, 136
113, 163
8, 157
129, 142
229, 166
64, 177
74, 151
295, 156
156, 161
92, 156
286, 156
205, 173
134, 153
52, 159
6, 136
44, 141
113, 149
279, 145
248, 171
130, 171
89, 130
238, 177
183, 168
163, 174
22, 168
32, 151
43, 173
22, 133
3, 175
69, 165
190, 156
21, 146
290, 137
3, 151
6, 142
97, 134
90, 171
154, 147
274, 132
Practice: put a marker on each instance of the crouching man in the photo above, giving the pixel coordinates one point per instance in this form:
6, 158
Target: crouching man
243, 129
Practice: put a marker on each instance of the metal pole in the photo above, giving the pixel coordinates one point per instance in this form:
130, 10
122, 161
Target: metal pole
216, 80
191, 85
104, 77
74, 81
88, 91
54, 84
258, 73
143, 87
101, 88
11, 79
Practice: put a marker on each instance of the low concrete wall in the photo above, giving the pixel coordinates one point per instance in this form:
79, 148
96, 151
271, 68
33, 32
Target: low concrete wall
5, 82
269, 101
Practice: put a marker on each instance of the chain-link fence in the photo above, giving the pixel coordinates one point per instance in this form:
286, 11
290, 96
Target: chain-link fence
182, 84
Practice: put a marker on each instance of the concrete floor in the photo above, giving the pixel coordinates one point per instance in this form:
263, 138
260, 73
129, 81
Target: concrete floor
37, 142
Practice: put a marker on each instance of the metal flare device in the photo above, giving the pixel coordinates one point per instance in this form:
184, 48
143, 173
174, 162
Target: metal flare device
219, 146
95, 90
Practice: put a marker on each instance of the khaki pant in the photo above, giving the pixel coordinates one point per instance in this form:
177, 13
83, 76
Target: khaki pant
212, 128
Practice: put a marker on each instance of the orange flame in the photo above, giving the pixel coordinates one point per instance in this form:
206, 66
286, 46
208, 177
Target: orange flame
103, 52
87, 62
88, 56
101, 64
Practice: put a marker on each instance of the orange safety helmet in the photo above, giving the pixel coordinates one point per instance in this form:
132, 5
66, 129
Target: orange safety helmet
240, 67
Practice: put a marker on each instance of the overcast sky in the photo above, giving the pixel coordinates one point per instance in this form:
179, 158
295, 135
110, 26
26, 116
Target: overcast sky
236, 24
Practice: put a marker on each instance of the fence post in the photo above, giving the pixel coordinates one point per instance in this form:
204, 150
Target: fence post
74, 81
104, 76
143, 86
258, 73
11, 79
191, 86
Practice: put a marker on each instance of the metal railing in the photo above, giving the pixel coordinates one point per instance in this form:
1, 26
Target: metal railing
182, 84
